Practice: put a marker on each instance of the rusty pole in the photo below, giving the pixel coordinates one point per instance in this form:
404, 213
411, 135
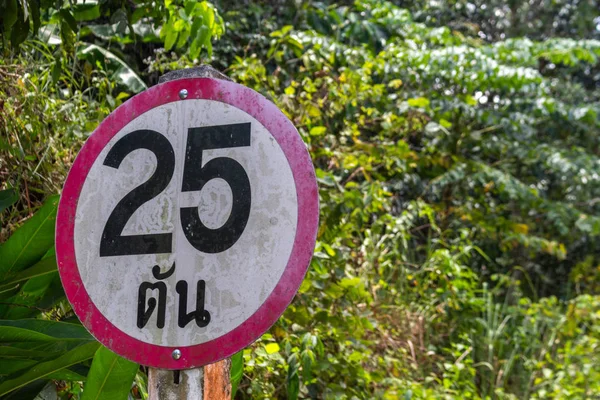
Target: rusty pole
208, 383
211, 382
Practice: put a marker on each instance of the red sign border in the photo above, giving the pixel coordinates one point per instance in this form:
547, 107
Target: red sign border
250, 330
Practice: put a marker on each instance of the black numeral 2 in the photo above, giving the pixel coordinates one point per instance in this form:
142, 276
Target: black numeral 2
195, 176
112, 242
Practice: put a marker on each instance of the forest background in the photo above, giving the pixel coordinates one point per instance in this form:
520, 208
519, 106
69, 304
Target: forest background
457, 149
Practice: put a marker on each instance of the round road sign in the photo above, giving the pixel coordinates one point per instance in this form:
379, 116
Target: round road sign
187, 222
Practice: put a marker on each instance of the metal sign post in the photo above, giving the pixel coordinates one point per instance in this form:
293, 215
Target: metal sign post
185, 228
209, 382
213, 380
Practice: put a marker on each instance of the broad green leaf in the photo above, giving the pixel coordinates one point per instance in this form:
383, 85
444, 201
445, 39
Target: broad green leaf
202, 36
53, 294
11, 352
110, 377
25, 303
195, 46
203, 10
208, 45
87, 10
66, 374
40, 339
8, 289
38, 294
183, 37
45, 266
295, 44
56, 70
46, 368
31, 241
237, 370
35, 15
9, 14
49, 35
104, 31
179, 25
282, 32
198, 22
120, 22
308, 359
12, 334
170, 37
293, 385
30, 391
68, 18
147, 32
120, 71
20, 29
189, 6
55, 329
8, 197
43, 350
446, 124
10, 366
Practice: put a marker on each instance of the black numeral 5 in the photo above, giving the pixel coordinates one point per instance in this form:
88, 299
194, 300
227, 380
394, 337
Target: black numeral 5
194, 178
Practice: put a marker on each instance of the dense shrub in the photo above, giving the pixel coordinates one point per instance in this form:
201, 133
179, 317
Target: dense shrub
458, 161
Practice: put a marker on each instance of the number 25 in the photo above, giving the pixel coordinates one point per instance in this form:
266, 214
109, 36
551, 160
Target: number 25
195, 176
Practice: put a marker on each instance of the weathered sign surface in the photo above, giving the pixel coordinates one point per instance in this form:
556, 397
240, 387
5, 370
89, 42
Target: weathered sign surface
187, 223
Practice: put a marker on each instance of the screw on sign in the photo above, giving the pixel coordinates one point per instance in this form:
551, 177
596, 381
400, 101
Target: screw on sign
187, 223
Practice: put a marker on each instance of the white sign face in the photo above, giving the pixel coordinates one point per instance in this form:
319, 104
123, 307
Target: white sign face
187, 224
238, 279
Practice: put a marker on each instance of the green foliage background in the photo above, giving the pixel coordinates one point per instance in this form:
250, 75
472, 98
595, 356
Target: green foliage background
456, 146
